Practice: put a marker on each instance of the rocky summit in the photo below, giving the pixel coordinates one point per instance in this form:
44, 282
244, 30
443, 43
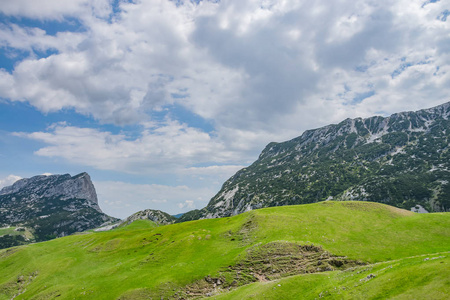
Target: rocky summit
402, 160
52, 206
157, 216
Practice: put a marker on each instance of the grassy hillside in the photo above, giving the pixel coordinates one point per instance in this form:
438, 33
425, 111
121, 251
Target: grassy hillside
142, 261
423, 277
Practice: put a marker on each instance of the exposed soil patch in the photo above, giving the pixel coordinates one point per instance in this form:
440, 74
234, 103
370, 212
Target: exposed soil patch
18, 286
265, 263
262, 263
7, 252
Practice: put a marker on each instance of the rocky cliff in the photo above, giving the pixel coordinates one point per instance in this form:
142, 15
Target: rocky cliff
52, 206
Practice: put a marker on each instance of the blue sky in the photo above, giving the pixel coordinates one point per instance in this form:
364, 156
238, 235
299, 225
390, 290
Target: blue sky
161, 101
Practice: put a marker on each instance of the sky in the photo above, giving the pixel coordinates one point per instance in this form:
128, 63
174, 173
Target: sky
161, 101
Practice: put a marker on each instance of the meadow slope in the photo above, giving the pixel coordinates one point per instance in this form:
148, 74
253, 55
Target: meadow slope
348, 240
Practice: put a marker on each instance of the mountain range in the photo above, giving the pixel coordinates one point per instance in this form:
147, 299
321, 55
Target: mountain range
336, 249
401, 160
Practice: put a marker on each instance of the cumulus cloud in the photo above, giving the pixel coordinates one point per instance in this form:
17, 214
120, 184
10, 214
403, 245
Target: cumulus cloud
188, 204
258, 71
245, 65
166, 148
8, 180
55, 9
122, 199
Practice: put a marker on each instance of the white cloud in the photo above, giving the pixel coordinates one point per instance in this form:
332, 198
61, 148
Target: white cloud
188, 204
213, 170
54, 9
9, 180
258, 71
167, 148
122, 199
13, 36
248, 66
214, 175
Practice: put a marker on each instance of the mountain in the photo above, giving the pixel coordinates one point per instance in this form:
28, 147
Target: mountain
157, 216
341, 250
178, 215
402, 160
51, 206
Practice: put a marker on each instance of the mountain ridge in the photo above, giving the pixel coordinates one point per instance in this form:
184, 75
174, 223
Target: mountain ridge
405, 149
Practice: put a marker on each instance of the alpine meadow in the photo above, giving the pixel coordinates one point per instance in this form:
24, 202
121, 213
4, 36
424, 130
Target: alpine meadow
223, 149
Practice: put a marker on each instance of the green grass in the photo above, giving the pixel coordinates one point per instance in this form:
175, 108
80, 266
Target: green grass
12, 231
9, 230
409, 278
142, 260
13, 236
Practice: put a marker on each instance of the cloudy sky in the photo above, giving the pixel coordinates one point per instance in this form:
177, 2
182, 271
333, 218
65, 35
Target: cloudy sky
160, 101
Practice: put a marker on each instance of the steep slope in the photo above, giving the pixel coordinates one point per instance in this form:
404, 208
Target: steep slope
52, 206
402, 160
205, 257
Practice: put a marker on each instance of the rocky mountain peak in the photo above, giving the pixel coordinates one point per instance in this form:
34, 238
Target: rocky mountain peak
157, 216
62, 186
52, 206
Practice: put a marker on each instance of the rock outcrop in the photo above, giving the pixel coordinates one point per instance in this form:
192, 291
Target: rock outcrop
157, 216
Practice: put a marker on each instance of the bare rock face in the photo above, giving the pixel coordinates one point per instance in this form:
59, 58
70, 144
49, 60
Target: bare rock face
62, 186
53, 206
79, 187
